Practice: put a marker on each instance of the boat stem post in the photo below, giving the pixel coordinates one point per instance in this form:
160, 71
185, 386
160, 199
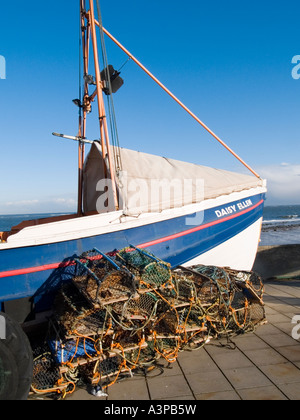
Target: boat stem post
102, 116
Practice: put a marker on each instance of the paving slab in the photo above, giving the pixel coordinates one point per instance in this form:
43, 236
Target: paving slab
278, 340
198, 361
267, 356
208, 382
169, 387
292, 391
250, 342
291, 353
247, 377
270, 393
282, 373
219, 396
129, 389
230, 359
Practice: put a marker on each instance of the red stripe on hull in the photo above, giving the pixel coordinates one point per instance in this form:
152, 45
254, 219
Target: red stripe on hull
198, 228
54, 266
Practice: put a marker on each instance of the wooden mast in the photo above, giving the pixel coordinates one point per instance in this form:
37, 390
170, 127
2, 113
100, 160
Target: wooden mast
88, 30
85, 35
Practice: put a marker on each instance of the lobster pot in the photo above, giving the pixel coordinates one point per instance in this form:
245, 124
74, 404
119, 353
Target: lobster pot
75, 315
45, 370
257, 313
104, 371
185, 288
149, 270
143, 356
142, 307
94, 262
101, 280
168, 322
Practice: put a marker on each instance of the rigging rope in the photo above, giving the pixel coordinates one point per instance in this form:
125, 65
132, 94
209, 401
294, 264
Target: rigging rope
110, 102
80, 57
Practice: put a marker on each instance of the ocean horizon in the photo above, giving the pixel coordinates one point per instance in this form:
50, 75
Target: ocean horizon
281, 224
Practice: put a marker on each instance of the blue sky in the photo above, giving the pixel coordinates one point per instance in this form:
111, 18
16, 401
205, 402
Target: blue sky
229, 62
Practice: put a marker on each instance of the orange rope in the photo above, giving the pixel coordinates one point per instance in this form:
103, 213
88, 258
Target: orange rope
178, 101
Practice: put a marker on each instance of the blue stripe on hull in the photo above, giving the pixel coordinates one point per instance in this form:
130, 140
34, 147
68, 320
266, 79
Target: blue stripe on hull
177, 251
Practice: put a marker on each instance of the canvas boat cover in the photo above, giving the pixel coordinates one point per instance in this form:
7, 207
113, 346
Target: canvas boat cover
150, 183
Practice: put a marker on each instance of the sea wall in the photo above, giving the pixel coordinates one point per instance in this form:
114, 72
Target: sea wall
278, 261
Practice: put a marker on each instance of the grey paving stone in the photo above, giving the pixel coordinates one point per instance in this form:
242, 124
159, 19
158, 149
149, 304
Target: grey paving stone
208, 382
292, 391
196, 361
267, 393
129, 389
219, 396
232, 360
278, 318
250, 342
285, 327
283, 373
292, 353
267, 329
265, 356
248, 377
279, 340
168, 387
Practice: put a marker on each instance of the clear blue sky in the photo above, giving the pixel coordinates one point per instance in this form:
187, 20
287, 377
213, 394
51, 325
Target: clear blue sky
230, 62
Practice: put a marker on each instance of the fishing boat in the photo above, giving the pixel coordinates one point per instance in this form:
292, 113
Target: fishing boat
185, 213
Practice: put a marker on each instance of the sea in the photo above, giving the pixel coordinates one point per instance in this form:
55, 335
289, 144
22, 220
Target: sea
281, 224
7, 221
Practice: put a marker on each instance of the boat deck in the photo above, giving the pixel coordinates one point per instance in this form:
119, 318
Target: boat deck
265, 365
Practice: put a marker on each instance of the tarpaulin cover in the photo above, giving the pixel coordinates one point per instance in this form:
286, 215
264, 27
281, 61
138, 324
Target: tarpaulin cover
152, 183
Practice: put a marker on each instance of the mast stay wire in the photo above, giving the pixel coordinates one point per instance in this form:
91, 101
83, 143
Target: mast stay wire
111, 108
180, 103
124, 64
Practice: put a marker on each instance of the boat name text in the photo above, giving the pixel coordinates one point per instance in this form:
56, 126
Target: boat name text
226, 211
